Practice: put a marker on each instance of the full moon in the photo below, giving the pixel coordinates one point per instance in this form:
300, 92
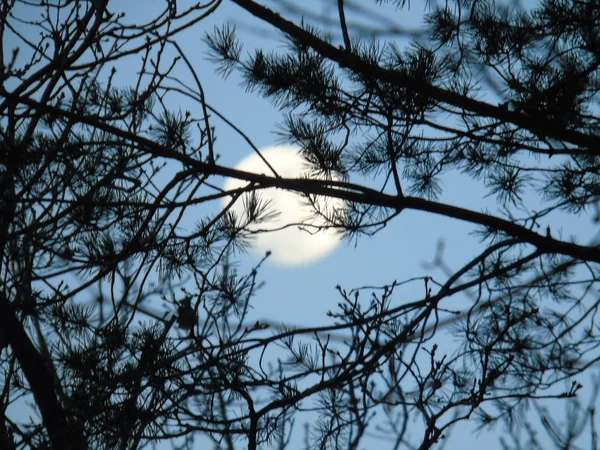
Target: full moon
299, 243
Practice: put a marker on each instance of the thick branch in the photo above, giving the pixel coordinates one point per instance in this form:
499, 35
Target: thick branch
334, 189
63, 435
6, 438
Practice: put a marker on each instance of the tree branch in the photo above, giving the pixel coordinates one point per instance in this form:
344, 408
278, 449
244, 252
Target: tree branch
542, 128
63, 434
343, 25
333, 189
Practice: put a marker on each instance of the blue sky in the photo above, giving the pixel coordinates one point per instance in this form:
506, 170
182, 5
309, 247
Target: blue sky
302, 295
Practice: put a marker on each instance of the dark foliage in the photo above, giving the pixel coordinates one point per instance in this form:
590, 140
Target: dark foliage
98, 179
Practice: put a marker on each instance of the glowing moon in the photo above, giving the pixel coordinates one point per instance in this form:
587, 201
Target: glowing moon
291, 246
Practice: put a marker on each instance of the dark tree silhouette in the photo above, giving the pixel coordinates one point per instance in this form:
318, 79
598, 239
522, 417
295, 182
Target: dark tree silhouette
98, 179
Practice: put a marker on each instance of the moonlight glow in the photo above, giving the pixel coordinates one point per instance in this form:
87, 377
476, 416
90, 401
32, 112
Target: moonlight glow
291, 246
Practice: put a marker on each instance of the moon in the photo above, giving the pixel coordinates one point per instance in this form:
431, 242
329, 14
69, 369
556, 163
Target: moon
293, 245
